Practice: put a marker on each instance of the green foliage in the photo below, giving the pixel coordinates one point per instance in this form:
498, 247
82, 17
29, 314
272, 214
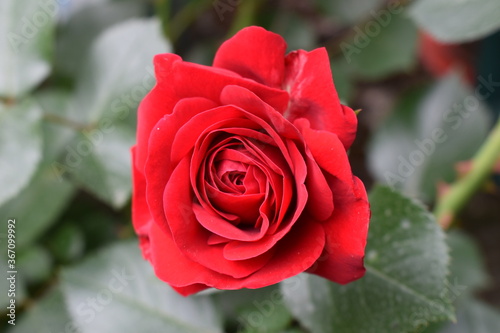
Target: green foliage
20, 146
117, 291
113, 81
383, 46
26, 45
48, 315
35, 263
84, 26
254, 311
405, 285
454, 22
420, 142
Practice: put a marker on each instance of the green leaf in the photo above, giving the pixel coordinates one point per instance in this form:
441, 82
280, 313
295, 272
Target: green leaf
27, 29
467, 275
56, 133
119, 71
254, 311
46, 196
48, 315
117, 76
423, 139
43, 209
379, 50
67, 243
467, 269
455, 22
474, 316
405, 282
35, 263
342, 80
20, 146
116, 291
99, 161
293, 330
297, 32
82, 27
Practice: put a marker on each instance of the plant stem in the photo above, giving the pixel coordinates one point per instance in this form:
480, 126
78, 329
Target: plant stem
461, 191
66, 122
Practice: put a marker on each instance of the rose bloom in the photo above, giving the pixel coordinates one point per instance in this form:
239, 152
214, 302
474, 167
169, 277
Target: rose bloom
240, 172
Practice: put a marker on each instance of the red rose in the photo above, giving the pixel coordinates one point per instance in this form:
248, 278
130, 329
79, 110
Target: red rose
241, 177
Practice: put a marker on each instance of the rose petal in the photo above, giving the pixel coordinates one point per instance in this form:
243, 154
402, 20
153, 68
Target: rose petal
346, 232
141, 218
191, 237
295, 253
193, 80
223, 228
327, 151
176, 80
301, 248
278, 230
320, 203
173, 267
254, 53
309, 81
159, 166
159, 102
191, 289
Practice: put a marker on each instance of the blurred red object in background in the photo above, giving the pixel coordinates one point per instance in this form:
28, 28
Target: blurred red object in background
439, 58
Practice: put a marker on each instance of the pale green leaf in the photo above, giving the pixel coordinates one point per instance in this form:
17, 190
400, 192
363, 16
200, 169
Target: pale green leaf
27, 30
456, 21
20, 146
116, 291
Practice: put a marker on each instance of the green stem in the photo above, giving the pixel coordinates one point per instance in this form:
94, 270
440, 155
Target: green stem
461, 191
67, 122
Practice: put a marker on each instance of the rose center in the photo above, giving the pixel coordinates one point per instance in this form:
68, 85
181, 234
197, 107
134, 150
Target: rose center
232, 174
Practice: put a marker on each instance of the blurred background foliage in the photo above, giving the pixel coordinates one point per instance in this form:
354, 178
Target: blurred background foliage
425, 74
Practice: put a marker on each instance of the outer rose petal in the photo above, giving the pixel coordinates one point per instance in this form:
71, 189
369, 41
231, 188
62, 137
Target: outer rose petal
346, 233
191, 289
296, 253
159, 166
159, 102
254, 53
308, 79
141, 218
347, 229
